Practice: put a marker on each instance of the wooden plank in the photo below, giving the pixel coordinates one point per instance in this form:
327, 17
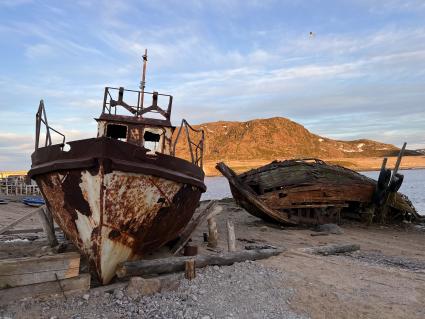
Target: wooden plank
46, 289
174, 264
26, 231
32, 270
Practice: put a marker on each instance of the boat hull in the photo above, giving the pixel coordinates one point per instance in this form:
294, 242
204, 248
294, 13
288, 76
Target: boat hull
306, 192
114, 212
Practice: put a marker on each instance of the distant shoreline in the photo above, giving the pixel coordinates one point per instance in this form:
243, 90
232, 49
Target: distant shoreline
357, 164
361, 164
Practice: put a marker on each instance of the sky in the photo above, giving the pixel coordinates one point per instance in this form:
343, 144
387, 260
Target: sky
360, 75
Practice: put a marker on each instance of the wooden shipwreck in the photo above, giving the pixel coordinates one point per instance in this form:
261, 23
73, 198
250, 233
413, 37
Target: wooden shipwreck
310, 191
123, 193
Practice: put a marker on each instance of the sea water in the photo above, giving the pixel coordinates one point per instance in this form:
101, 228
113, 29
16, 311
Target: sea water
413, 186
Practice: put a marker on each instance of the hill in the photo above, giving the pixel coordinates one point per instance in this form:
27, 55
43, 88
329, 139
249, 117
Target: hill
274, 138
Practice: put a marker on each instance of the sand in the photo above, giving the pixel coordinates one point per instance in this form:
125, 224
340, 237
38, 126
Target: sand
385, 279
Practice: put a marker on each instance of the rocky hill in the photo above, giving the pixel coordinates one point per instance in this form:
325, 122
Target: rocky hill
268, 139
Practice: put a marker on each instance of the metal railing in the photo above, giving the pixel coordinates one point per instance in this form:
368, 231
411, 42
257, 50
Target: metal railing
196, 149
41, 118
111, 101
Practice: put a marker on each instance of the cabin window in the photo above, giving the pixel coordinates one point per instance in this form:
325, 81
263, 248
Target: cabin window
152, 141
117, 131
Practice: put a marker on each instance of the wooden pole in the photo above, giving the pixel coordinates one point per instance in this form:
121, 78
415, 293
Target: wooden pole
189, 269
46, 220
212, 233
231, 238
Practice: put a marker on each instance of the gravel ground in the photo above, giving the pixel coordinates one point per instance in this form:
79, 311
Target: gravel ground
243, 290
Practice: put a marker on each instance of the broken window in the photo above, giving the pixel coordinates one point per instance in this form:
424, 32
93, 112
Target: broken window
152, 141
117, 131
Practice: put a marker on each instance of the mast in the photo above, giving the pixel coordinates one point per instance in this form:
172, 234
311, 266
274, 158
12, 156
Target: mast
143, 82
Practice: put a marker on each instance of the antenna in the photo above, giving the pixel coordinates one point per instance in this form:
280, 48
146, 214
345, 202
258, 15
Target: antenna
143, 82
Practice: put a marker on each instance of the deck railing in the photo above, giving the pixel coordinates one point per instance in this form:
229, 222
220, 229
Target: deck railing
196, 149
114, 97
41, 119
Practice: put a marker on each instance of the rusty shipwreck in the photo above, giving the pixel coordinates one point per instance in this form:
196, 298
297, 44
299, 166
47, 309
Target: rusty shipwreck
124, 193
310, 191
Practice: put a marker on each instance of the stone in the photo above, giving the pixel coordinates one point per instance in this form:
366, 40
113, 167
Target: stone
118, 294
86, 296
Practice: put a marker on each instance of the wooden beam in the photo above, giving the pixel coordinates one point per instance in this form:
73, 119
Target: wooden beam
21, 219
44, 290
333, 249
26, 231
32, 270
175, 264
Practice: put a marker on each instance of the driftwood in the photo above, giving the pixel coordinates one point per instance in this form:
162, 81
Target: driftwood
175, 264
208, 211
333, 249
21, 219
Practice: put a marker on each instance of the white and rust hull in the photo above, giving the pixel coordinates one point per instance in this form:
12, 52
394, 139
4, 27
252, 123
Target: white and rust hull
115, 210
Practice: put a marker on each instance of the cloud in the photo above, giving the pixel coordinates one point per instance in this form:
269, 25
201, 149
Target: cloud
230, 60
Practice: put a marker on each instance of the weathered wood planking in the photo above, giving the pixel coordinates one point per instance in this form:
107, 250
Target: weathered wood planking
46, 289
31, 270
290, 173
331, 194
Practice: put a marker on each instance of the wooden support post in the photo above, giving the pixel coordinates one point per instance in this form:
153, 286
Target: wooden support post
46, 220
231, 238
189, 269
212, 233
